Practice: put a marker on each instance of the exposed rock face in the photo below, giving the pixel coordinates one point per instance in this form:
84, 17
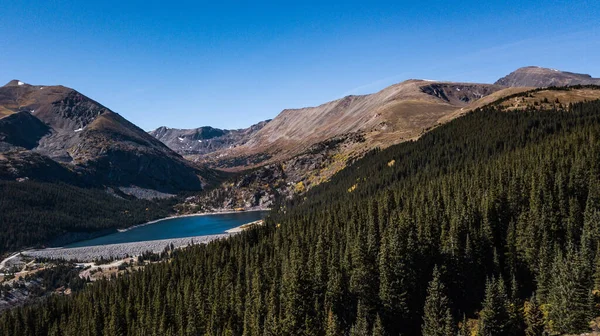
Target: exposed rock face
533, 76
459, 94
62, 125
261, 187
204, 140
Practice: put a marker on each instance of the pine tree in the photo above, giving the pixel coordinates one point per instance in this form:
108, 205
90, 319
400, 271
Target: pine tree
333, 325
534, 318
364, 279
115, 325
569, 296
394, 277
494, 317
191, 327
597, 269
361, 326
449, 325
515, 324
437, 318
464, 328
378, 329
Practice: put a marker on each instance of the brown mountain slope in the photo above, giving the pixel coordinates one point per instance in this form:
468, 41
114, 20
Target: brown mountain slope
533, 76
396, 113
99, 145
260, 187
301, 148
17, 96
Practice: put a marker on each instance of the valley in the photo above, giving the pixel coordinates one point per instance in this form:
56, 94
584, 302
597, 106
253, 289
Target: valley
293, 168
57, 136
454, 197
379, 160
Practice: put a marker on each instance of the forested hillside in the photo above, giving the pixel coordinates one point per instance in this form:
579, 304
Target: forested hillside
37, 214
486, 225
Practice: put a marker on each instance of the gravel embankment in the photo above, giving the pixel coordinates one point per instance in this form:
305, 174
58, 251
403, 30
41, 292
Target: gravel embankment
114, 251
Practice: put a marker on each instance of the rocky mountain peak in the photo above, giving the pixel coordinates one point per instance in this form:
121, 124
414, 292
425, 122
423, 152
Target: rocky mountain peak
15, 82
535, 76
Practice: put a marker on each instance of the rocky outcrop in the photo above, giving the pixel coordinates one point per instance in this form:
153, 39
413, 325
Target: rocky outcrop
458, 94
260, 188
255, 189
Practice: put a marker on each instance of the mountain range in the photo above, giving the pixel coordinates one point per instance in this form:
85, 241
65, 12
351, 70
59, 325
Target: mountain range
391, 115
485, 225
301, 148
54, 133
204, 140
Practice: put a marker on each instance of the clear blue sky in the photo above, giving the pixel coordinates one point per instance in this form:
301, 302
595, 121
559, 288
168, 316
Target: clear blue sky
230, 64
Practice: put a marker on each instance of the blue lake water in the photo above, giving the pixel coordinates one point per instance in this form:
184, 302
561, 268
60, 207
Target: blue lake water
177, 228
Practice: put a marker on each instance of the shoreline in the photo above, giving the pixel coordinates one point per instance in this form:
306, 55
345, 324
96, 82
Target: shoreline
246, 226
120, 250
191, 215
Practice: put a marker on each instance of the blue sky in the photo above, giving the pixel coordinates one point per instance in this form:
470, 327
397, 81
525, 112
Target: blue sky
232, 64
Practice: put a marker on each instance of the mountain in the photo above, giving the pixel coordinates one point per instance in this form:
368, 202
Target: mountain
85, 138
394, 114
204, 140
397, 113
301, 148
533, 76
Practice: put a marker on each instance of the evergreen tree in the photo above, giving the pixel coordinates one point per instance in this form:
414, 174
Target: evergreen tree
437, 318
493, 317
464, 328
569, 296
361, 326
378, 329
395, 278
333, 326
534, 318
